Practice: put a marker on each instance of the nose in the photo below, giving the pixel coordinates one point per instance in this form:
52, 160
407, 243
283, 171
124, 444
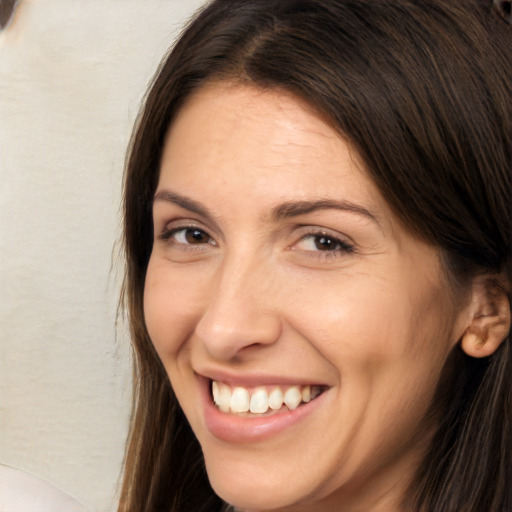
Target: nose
241, 310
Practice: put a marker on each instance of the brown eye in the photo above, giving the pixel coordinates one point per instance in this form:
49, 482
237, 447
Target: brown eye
187, 236
326, 243
196, 236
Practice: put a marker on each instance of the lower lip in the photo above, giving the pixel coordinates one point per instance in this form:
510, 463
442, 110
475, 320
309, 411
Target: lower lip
244, 429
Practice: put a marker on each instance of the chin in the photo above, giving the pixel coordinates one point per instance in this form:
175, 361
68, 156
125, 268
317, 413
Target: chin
251, 489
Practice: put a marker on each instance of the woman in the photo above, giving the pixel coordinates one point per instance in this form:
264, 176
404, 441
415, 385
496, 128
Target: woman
317, 231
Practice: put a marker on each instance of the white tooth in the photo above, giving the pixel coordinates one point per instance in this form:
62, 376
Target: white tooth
275, 399
259, 401
306, 394
240, 400
224, 397
215, 392
292, 398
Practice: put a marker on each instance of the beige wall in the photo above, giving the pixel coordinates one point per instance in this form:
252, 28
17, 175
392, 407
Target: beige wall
72, 73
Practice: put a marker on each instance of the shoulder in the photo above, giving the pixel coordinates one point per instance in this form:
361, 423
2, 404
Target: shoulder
21, 492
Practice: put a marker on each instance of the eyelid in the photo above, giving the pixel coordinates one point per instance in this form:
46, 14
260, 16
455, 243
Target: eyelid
169, 223
166, 213
318, 230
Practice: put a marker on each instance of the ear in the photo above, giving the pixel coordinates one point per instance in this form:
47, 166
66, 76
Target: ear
490, 317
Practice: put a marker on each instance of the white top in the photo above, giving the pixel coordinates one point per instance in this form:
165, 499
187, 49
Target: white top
21, 492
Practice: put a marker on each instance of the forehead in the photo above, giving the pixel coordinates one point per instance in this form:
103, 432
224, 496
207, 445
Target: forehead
262, 145
222, 113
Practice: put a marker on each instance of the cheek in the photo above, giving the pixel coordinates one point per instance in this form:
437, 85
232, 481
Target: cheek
171, 308
370, 327
388, 342
347, 319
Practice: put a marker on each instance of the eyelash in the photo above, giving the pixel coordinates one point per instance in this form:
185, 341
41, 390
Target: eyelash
342, 247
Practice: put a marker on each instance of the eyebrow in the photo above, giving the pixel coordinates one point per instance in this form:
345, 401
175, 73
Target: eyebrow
296, 208
184, 202
281, 212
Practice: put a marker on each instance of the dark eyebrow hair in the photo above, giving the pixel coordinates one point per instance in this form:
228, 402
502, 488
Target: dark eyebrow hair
295, 208
280, 212
184, 202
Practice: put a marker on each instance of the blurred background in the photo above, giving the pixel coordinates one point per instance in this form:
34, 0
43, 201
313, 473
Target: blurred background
72, 76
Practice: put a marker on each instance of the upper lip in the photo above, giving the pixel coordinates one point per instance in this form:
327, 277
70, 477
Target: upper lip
255, 379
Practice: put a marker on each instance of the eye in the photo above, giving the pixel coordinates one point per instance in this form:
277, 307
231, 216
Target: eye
188, 236
323, 242
326, 243
191, 236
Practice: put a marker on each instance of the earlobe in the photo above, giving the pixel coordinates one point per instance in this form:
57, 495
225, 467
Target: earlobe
490, 318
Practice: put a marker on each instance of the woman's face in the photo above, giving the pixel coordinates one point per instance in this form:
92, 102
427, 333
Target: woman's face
278, 272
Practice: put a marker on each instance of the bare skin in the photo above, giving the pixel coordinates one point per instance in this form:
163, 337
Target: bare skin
277, 259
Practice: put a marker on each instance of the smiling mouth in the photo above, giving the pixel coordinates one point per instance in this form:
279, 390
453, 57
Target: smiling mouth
262, 400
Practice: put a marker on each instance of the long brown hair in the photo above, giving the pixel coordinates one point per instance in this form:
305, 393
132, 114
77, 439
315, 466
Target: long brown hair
423, 89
